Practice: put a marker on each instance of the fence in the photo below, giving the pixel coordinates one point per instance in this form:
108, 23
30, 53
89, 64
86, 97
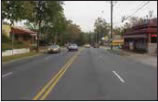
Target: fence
15, 51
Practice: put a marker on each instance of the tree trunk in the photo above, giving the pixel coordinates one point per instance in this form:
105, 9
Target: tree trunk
38, 36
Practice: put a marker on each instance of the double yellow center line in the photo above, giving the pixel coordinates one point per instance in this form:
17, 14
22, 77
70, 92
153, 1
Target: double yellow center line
44, 92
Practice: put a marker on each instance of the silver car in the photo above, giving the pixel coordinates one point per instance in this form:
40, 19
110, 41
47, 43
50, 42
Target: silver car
73, 47
54, 49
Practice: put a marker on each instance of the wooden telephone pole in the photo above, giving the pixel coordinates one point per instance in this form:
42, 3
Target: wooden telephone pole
111, 24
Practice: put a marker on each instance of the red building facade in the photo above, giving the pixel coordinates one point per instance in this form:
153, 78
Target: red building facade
142, 37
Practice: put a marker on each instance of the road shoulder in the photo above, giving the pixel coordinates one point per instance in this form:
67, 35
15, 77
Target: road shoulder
142, 58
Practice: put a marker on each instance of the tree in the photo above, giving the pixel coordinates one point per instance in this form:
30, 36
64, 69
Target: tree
101, 28
118, 31
48, 15
4, 10
71, 33
150, 14
53, 21
11, 10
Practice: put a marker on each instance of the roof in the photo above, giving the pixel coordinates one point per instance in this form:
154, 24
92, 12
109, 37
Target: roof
22, 31
146, 23
142, 31
149, 27
136, 36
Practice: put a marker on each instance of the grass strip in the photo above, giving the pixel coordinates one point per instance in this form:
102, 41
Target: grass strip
18, 56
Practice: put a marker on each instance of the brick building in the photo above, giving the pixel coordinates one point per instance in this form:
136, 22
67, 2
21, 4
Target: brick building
142, 37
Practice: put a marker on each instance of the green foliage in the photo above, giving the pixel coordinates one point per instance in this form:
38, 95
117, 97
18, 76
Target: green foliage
54, 26
102, 28
118, 31
12, 10
5, 39
17, 44
6, 46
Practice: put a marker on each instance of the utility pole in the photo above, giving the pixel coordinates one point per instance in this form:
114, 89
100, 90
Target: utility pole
111, 23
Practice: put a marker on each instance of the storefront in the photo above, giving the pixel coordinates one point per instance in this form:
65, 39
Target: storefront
142, 37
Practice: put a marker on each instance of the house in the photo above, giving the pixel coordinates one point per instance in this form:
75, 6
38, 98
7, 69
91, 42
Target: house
142, 37
20, 33
24, 35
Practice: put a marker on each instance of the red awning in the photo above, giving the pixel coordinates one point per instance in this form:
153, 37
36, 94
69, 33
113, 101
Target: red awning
135, 36
143, 31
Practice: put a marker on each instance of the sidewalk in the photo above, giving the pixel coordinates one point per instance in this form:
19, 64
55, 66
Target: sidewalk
143, 58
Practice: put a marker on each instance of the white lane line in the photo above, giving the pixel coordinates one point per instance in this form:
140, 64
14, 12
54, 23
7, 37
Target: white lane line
7, 74
121, 79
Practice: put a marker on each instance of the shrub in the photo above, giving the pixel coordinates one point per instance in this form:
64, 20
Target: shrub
17, 45
5, 39
6, 46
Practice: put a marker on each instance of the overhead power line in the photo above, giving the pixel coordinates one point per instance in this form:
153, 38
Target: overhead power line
143, 2
139, 9
136, 8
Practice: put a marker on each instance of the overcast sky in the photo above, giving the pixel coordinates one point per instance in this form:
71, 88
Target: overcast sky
84, 13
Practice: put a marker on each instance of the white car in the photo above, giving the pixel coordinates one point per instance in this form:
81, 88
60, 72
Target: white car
87, 45
73, 47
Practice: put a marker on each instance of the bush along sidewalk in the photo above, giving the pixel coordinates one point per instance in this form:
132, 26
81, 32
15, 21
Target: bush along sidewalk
7, 44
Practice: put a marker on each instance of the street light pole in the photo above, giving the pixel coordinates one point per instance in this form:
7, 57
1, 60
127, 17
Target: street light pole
111, 23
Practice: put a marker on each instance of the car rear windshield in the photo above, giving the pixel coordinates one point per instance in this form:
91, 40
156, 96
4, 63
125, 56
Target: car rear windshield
55, 46
73, 45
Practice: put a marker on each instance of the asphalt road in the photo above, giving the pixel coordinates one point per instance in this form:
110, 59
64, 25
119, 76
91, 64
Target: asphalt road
88, 74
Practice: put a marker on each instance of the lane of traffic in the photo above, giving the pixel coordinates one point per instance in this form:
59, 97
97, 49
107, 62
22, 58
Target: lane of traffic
141, 79
30, 77
95, 75
92, 77
52, 83
16, 65
86, 79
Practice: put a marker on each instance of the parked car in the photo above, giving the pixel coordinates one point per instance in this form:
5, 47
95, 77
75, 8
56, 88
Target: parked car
54, 49
87, 45
73, 47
